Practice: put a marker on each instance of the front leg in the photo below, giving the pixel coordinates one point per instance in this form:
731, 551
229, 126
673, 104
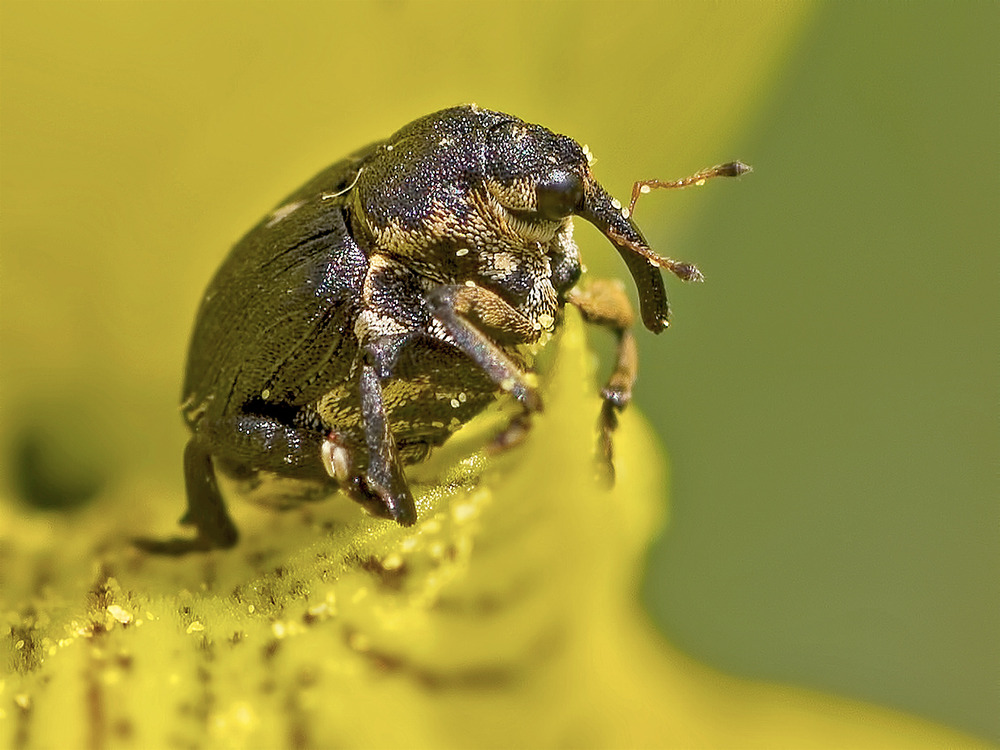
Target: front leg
453, 307
273, 444
604, 303
383, 489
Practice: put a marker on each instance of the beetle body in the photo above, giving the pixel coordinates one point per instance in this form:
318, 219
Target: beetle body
389, 300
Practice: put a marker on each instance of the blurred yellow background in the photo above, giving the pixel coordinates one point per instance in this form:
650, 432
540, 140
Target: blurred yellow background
828, 397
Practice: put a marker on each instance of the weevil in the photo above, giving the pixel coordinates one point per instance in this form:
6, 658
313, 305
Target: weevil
393, 297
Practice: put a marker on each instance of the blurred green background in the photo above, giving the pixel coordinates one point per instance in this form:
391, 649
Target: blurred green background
828, 398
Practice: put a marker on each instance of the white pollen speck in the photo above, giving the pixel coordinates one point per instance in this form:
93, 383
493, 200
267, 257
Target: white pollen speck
336, 460
389, 147
265, 394
454, 403
700, 182
625, 213
462, 397
644, 189
616, 203
280, 213
119, 614
462, 251
470, 282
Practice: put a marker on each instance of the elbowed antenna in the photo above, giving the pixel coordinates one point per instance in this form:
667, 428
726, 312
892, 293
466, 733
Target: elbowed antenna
615, 222
729, 169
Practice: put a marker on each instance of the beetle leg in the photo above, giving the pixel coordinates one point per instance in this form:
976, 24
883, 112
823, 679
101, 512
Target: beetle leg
383, 489
453, 307
512, 435
450, 305
489, 312
604, 303
267, 443
206, 509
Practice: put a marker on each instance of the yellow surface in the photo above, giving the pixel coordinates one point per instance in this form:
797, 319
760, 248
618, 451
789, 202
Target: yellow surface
506, 617
137, 141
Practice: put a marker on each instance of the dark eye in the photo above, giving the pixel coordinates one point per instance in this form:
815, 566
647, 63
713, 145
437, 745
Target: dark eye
558, 195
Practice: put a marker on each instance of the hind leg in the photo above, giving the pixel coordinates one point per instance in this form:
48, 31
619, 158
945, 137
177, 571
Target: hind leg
206, 510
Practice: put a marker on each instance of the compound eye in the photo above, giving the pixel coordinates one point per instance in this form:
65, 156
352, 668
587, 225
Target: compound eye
558, 195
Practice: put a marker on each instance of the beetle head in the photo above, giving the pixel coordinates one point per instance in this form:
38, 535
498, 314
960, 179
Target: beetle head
469, 175
543, 179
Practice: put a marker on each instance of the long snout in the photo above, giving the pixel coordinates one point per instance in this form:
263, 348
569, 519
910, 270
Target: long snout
609, 216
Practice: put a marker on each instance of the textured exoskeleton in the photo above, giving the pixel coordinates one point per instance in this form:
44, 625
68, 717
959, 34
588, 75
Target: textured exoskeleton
391, 298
